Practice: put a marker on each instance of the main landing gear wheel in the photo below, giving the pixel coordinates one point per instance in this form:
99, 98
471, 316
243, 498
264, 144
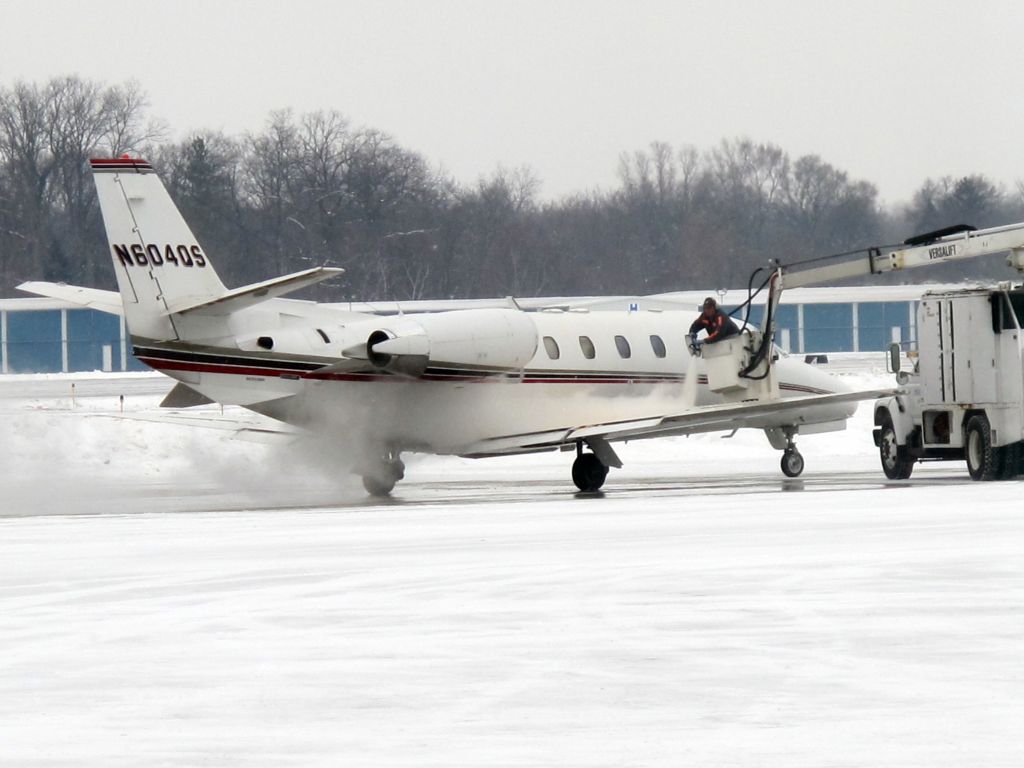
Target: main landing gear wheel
895, 463
380, 480
588, 472
792, 462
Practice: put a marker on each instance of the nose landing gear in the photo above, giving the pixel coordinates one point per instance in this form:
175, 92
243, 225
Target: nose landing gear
792, 462
782, 439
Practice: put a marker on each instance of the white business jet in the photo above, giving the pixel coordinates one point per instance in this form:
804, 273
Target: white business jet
479, 381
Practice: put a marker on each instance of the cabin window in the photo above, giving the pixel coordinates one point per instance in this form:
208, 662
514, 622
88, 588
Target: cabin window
551, 347
587, 346
658, 346
623, 346
323, 336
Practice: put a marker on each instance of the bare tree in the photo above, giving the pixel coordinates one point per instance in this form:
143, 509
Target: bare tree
27, 167
313, 189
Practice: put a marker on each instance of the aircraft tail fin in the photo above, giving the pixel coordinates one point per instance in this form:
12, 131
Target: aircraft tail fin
157, 260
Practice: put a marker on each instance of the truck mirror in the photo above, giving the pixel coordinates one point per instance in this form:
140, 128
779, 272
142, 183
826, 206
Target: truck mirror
894, 358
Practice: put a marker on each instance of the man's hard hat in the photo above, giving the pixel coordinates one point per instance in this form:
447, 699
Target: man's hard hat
710, 302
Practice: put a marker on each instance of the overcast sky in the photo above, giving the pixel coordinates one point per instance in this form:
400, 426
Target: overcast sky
892, 92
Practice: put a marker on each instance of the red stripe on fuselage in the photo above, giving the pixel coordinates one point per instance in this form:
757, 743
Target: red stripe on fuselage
245, 370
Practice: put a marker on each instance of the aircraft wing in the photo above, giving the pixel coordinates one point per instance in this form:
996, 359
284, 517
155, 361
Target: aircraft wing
661, 302
708, 418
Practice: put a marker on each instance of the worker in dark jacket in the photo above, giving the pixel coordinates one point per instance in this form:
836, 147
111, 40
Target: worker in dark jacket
713, 320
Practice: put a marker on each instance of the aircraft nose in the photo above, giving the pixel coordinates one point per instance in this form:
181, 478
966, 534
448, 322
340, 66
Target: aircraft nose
830, 382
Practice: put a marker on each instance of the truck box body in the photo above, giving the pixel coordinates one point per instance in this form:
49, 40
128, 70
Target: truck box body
970, 369
970, 359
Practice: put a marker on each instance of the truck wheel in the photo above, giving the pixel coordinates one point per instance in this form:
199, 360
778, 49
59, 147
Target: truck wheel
895, 462
981, 457
1008, 459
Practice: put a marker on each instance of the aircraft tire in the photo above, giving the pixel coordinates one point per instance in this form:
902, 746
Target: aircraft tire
588, 473
379, 486
381, 481
792, 462
982, 457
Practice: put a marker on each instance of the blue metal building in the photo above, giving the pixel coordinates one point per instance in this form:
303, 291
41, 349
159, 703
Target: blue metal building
50, 336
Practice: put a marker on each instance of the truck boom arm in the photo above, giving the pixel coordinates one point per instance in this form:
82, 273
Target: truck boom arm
967, 244
950, 244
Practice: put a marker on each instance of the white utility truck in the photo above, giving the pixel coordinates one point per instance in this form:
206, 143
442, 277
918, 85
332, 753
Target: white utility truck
964, 398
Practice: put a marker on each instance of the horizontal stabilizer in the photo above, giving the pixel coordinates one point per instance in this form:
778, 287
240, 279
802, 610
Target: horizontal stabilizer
183, 396
92, 298
249, 295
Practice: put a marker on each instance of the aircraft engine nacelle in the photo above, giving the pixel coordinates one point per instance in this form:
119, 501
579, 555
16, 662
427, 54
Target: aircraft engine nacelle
468, 340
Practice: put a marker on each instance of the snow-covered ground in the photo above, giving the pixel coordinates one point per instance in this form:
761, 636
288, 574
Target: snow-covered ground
173, 595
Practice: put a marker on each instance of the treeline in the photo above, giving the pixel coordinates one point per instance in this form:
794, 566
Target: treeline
315, 189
